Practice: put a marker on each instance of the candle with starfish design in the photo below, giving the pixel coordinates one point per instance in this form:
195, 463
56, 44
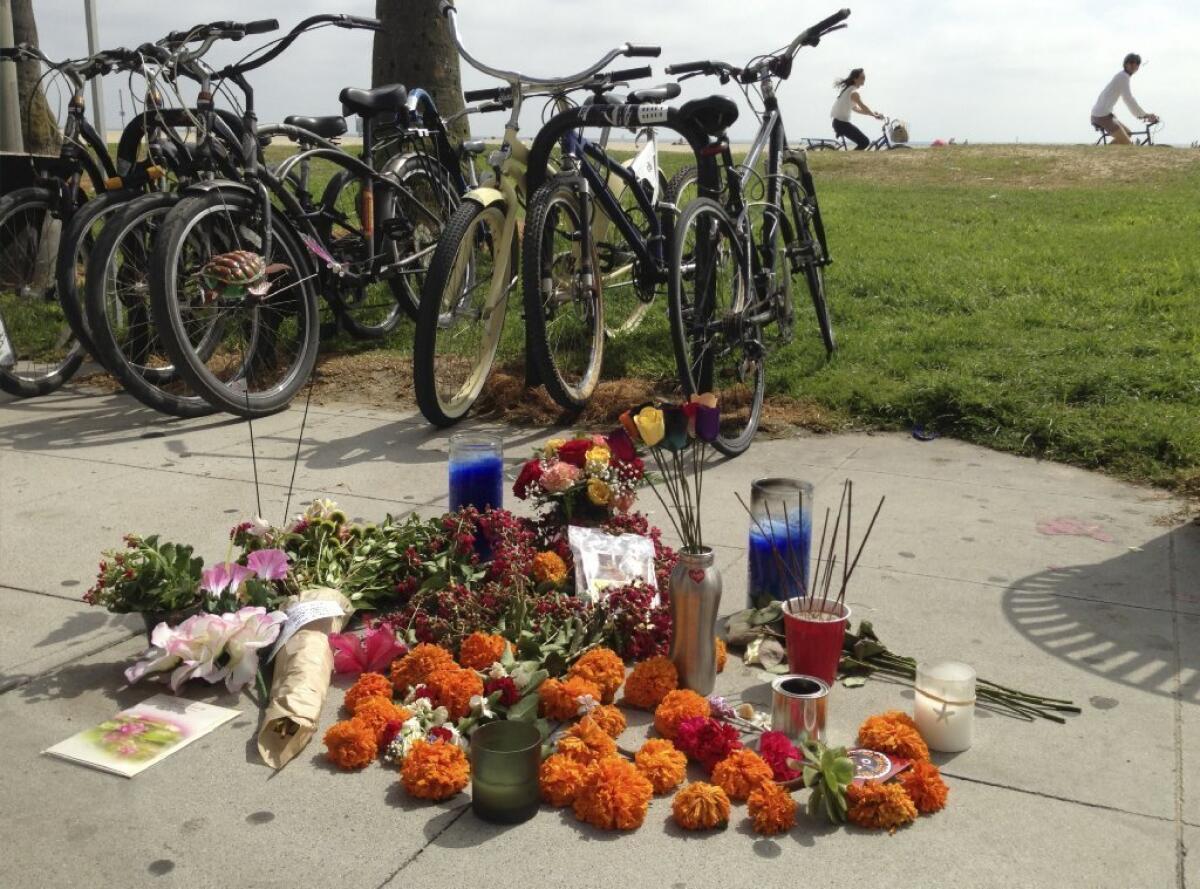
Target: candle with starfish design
944, 708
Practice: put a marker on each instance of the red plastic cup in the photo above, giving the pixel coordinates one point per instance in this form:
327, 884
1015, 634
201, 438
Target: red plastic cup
814, 646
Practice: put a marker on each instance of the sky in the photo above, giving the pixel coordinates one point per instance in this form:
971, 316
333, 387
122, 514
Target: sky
978, 70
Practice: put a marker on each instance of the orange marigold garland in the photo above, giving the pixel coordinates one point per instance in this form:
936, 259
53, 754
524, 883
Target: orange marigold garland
894, 733
722, 654
700, 806
609, 718
560, 699
434, 771
604, 668
663, 765
879, 806
549, 567
414, 667
615, 796
350, 744
677, 706
560, 779
369, 685
650, 682
377, 712
741, 772
772, 809
480, 650
925, 787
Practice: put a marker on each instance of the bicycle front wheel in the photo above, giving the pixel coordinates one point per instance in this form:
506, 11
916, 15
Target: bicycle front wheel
805, 250
564, 306
714, 329
463, 303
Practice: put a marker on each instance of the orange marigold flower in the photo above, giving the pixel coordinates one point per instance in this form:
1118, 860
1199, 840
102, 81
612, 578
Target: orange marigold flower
480, 650
663, 765
615, 796
587, 742
772, 809
894, 733
650, 682
925, 787
677, 706
560, 779
434, 771
722, 654
369, 685
602, 667
560, 699
741, 772
609, 718
412, 669
453, 687
879, 806
350, 744
549, 567
377, 712
701, 806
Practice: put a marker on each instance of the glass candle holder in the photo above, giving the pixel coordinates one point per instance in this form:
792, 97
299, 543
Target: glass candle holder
476, 471
505, 757
944, 708
780, 539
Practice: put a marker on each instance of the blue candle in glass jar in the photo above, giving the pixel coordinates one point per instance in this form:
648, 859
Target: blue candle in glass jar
476, 472
780, 540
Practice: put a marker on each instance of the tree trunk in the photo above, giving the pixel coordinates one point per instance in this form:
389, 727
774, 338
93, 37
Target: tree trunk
415, 48
37, 120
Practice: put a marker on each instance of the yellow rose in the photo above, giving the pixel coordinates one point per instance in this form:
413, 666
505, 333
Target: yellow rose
599, 492
552, 447
599, 455
649, 422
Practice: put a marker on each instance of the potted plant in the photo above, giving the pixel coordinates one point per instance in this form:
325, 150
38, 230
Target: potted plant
159, 580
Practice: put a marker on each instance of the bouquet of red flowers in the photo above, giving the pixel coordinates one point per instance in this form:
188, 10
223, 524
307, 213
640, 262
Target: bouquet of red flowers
583, 479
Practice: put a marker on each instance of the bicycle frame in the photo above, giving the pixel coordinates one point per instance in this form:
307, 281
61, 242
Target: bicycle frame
1140, 138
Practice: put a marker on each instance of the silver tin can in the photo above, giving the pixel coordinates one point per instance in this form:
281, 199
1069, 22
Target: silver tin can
798, 705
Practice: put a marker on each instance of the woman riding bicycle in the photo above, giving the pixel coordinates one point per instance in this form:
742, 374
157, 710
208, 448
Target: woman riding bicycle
848, 101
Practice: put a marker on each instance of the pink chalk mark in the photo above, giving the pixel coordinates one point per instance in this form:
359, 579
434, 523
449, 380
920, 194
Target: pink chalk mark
1068, 527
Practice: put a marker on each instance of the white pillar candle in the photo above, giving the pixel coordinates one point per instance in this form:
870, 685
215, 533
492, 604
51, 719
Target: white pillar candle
944, 709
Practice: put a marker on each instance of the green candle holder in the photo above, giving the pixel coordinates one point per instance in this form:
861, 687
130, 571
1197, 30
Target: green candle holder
505, 757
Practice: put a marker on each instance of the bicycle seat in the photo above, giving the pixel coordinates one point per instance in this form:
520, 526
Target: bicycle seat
661, 93
328, 127
472, 147
713, 114
392, 98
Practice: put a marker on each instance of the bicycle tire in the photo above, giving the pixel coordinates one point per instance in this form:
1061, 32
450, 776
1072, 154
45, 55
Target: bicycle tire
443, 289
114, 290
256, 321
427, 231
684, 179
696, 338
31, 323
569, 384
810, 256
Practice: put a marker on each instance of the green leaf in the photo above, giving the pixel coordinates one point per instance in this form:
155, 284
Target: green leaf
524, 710
768, 615
843, 770
854, 681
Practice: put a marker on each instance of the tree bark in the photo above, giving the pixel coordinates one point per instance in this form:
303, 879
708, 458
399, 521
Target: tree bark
37, 120
415, 48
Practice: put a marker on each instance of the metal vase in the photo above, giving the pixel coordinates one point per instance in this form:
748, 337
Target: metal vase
695, 599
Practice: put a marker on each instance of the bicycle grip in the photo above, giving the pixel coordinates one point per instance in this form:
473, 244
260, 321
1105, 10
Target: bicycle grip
825, 24
629, 74
262, 26
634, 50
483, 95
687, 67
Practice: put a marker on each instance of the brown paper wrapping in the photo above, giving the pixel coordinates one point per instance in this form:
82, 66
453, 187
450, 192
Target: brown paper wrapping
303, 670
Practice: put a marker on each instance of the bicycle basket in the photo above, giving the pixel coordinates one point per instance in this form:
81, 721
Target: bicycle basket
898, 132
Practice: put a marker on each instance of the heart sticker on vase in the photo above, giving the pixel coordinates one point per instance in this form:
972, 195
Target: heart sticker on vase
696, 574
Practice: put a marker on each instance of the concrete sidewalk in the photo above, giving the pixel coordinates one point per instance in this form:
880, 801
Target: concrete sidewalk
957, 567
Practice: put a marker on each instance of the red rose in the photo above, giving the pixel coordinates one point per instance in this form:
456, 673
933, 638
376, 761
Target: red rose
621, 445
575, 451
531, 473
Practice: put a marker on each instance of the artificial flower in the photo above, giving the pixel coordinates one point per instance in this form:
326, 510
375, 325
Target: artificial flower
620, 445
377, 712
650, 682
434, 770
453, 687
559, 477
372, 651
507, 688
706, 417
663, 765
675, 423
597, 458
602, 667
649, 423
700, 806
412, 669
624, 501
480, 650
225, 576
609, 718
925, 787
628, 425
895, 734
598, 492
350, 744
740, 772
574, 452
615, 796
677, 706
549, 567
560, 778
707, 740
530, 475
268, 564
879, 806
560, 699
587, 741
722, 654
552, 446
772, 809
776, 749
190, 650
254, 629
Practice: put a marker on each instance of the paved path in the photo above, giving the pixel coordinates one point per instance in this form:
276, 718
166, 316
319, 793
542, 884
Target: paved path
958, 568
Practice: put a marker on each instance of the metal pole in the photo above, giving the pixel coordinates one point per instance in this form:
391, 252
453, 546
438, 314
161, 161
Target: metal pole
10, 96
89, 12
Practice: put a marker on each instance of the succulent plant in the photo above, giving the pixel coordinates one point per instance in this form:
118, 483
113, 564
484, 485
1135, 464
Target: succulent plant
828, 771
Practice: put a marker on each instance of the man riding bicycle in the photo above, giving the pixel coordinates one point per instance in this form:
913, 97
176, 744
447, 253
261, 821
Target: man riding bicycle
1120, 88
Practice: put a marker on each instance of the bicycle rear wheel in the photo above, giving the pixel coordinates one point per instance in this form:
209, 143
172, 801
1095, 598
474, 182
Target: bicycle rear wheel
717, 340
805, 250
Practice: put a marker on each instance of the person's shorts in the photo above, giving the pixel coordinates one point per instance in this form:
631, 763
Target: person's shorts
1108, 123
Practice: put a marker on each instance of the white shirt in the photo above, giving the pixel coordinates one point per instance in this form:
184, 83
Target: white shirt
1118, 88
842, 105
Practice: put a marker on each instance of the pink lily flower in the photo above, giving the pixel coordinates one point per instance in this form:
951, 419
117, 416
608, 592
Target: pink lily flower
254, 628
371, 652
199, 642
269, 564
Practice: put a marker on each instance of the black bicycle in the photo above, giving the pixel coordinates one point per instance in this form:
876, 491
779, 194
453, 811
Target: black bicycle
1142, 137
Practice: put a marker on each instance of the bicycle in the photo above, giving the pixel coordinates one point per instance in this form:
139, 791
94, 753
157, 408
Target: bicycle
473, 270
1142, 137
894, 136
734, 258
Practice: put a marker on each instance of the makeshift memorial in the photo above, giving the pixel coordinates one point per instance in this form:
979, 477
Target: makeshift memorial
944, 706
780, 534
476, 468
505, 760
